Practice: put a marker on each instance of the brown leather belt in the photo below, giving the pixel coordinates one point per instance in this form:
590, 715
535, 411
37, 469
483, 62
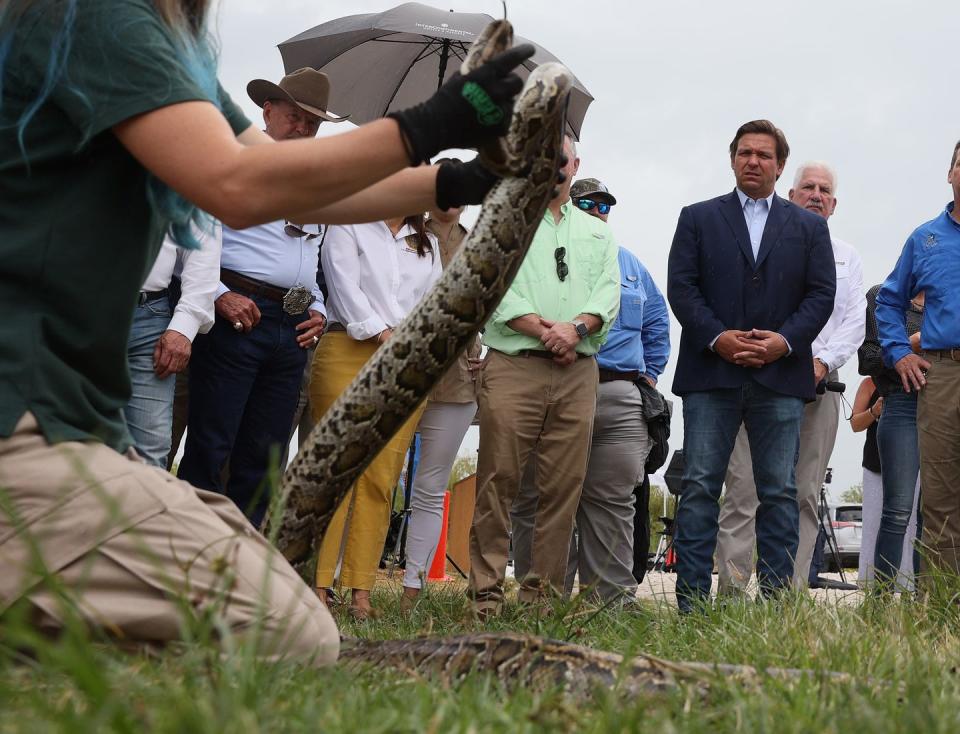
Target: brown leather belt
543, 354
611, 375
938, 354
334, 326
251, 286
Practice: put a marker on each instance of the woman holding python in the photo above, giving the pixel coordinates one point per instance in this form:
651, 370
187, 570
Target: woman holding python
113, 131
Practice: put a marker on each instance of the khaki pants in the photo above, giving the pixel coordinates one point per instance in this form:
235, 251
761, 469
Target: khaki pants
140, 552
337, 361
526, 402
737, 538
938, 426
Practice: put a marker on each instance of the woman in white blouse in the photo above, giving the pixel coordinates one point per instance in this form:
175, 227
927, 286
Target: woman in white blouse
376, 273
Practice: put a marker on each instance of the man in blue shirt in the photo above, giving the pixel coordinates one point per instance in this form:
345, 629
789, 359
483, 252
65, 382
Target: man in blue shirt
245, 374
637, 346
930, 262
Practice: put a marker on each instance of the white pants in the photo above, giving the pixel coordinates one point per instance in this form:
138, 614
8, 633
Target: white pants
872, 509
442, 428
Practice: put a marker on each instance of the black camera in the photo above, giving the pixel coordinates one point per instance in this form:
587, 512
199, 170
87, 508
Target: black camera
831, 386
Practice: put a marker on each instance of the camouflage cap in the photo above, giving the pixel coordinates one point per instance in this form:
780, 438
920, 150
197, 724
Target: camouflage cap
588, 186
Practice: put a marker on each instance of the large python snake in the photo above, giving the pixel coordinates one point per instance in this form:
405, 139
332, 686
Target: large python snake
540, 664
398, 377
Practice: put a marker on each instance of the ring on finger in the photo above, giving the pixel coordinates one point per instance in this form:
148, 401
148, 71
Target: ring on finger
237, 325
316, 340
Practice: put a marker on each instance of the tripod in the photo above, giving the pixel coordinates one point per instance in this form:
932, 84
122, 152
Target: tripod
665, 558
830, 540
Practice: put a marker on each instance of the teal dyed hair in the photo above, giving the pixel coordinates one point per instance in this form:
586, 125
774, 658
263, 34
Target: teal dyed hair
187, 29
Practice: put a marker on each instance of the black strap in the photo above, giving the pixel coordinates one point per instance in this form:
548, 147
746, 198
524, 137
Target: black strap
321, 279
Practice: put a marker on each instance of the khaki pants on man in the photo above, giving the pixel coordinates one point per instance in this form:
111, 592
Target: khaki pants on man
527, 401
737, 539
938, 426
139, 552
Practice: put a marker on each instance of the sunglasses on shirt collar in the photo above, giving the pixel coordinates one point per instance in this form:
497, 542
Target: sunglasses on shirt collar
563, 269
295, 230
588, 204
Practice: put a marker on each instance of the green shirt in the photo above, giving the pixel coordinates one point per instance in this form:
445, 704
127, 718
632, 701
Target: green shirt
592, 285
77, 234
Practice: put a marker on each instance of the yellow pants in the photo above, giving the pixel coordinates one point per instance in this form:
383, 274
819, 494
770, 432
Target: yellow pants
337, 361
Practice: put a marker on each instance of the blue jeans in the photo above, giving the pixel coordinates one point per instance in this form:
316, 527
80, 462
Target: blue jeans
243, 394
711, 420
149, 413
899, 466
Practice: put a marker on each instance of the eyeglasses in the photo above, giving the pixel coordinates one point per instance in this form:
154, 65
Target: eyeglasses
562, 270
588, 204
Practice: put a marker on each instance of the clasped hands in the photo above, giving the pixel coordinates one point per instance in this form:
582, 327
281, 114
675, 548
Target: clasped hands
561, 338
752, 348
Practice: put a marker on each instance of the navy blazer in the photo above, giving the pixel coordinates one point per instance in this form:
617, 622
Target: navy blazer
714, 284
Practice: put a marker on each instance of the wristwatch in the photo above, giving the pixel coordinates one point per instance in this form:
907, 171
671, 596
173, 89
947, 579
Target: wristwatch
582, 330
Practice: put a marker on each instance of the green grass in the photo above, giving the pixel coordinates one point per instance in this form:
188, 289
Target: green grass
901, 652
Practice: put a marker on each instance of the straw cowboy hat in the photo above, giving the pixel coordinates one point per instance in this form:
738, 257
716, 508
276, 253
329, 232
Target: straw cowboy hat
307, 88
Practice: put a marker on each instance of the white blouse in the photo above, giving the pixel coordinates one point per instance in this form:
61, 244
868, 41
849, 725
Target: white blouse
374, 278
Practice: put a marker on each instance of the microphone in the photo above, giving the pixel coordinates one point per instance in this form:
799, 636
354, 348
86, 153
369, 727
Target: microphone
831, 386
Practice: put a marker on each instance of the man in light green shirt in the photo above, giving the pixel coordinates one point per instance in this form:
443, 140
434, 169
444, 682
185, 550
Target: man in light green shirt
538, 388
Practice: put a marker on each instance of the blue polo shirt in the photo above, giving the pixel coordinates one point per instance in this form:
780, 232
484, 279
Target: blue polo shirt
930, 262
640, 336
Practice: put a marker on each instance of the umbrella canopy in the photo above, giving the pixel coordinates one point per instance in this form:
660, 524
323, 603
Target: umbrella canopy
379, 62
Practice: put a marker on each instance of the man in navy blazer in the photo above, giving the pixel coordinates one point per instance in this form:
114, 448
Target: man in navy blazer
751, 281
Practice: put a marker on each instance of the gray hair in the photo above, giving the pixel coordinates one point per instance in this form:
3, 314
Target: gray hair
815, 164
573, 144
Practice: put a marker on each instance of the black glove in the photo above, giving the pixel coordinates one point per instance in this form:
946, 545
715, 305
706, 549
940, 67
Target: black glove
466, 111
459, 183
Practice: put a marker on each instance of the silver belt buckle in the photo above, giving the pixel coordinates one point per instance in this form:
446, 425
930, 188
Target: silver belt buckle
296, 300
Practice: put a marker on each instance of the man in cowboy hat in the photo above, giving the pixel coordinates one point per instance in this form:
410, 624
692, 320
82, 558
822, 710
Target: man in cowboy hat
245, 374
296, 104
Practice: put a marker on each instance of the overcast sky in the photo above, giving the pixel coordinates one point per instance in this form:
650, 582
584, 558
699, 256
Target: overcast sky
868, 86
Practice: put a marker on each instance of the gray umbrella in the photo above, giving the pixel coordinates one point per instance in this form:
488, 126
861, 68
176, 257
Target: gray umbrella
378, 62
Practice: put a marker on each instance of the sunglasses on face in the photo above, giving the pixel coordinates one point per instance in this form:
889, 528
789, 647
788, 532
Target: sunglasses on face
562, 270
588, 204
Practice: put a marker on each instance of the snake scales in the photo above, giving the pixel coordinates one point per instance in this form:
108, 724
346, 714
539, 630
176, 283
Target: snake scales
539, 664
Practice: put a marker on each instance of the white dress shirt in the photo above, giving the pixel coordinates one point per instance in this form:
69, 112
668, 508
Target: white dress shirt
844, 331
755, 213
269, 252
199, 273
374, 278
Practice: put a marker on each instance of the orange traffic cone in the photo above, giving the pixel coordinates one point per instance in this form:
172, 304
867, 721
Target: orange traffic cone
438, 569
